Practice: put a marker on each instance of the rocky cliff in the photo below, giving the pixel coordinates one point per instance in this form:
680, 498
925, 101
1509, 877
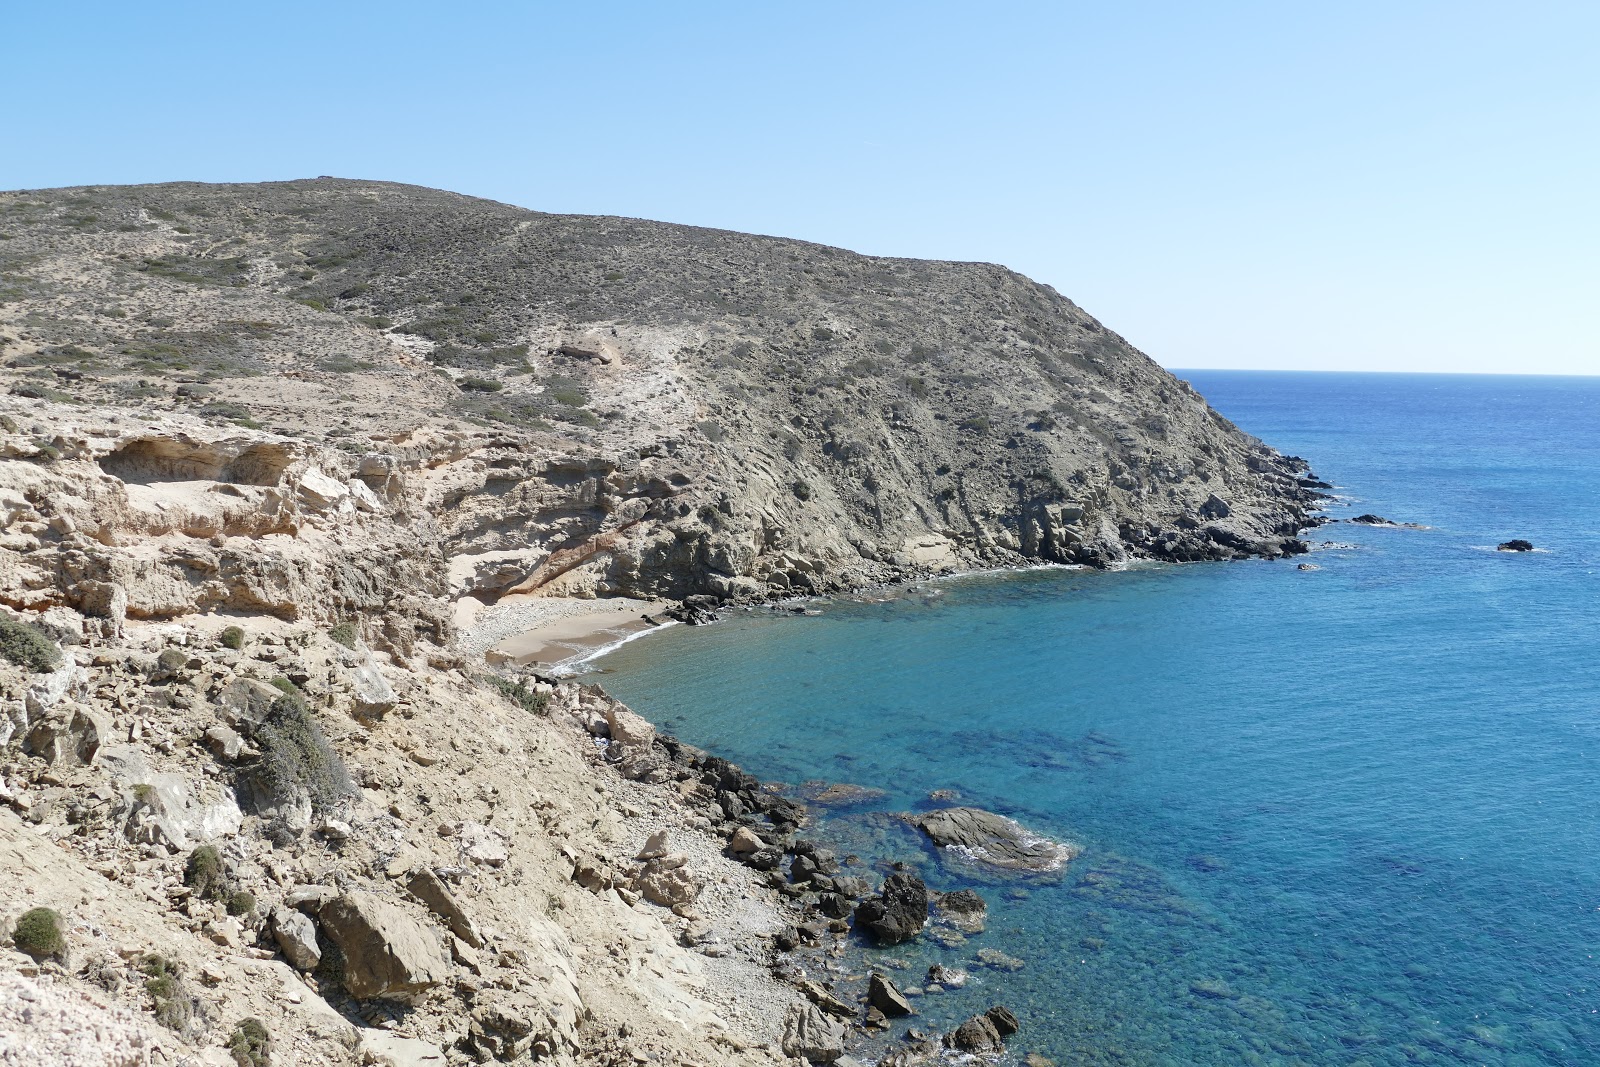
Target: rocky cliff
601, 405
264, 450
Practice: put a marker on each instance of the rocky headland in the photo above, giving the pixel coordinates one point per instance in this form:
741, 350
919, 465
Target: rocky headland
280, 464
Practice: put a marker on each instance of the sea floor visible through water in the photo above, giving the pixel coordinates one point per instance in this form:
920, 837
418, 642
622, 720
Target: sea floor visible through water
1338, 816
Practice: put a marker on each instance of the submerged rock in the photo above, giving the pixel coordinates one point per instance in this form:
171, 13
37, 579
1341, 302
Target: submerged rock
964, 910
994, 840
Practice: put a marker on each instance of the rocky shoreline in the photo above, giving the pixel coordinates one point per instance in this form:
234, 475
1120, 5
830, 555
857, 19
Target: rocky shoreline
268, 452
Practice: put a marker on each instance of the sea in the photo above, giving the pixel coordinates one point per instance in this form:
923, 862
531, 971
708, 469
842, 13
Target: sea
1348, 815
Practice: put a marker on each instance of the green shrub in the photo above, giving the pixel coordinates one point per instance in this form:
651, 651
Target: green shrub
222, 409
250, 1044
27, 646
802, 491
295, 754
233, 637
205, 874
38, 934
822, 333
345, 634
519, 694
169, 996
241, 902
479, 385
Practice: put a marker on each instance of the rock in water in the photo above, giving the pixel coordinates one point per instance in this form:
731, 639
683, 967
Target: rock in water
1515, 545
386, 952
994, 840
897, 914
809, 1033
882, 994
964, 910
1371, 520
977, 1034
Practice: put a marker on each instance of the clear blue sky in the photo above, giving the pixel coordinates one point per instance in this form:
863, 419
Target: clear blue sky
1365, 185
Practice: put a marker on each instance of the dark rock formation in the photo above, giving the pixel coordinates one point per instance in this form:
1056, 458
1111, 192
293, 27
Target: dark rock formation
897, 914
1515, 545
994, 840
882, 994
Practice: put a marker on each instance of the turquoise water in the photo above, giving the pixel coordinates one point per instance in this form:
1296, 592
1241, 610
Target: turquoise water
1335, 817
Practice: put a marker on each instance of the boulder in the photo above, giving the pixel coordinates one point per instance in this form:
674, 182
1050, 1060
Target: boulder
1371, 520
655, 846
744, 842
379, 1048
1003, 1020
994, 840
667, 881
480, 844
977, 1034
374, 697
297, 938
68, 735
386, 952
813, 1035
318, 492
1515, 545
882, 994
431, 890
224, 742
897, 914
246, 702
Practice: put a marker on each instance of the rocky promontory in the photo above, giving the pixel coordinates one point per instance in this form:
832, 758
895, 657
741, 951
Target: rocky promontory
269, 454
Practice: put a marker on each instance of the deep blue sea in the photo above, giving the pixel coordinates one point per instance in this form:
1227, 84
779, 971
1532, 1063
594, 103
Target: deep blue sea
1343, 816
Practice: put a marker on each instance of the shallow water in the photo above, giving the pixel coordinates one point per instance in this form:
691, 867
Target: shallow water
1333, 817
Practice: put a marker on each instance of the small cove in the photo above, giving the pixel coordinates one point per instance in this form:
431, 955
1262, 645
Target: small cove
1337, 816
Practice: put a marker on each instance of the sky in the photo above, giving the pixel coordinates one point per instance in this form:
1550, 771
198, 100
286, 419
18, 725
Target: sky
1387, 185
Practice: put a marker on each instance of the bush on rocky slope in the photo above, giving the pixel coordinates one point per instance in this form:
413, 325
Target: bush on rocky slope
295, 756
27, 646
38, 934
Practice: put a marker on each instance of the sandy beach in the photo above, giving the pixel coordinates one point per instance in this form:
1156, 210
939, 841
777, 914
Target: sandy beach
546, 631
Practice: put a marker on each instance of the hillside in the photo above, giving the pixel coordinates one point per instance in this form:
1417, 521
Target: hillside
649, 409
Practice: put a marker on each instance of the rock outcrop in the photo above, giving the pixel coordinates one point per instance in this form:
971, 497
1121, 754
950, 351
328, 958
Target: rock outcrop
994, 840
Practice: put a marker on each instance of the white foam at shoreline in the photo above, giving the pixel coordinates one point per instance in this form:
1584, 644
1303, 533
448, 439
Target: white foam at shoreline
572, 664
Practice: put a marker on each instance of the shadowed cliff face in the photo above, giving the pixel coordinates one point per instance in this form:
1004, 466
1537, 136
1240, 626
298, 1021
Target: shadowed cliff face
594, 405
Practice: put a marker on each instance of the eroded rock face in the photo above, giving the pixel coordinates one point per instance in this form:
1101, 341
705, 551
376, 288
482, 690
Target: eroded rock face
994, 840
387, 953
